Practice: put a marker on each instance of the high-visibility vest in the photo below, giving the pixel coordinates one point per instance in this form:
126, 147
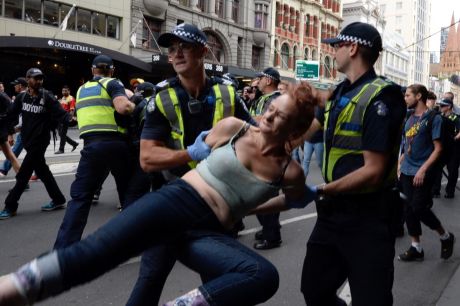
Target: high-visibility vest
168, 104
259, 106
95, 110
348, 131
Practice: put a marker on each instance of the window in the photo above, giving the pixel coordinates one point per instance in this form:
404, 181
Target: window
83, 20
216, 49
99, 23
147, 39
285, 56
51, 13
383, 8
13, 9
307, 25
33, 11
220, 8
261, 16
256, 51
313, 54
64, 11
398, 5
113, 27
201, 5
235, 10
327, 67
398, 20
305, 54
183, 2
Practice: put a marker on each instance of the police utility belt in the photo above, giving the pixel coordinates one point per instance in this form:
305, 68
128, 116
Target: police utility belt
379, 203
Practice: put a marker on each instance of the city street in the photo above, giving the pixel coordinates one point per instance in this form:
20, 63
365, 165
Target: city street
33, 232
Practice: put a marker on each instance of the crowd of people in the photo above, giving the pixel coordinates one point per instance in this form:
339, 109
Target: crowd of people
182, 150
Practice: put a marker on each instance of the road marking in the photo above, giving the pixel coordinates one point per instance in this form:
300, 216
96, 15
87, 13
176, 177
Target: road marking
287, 221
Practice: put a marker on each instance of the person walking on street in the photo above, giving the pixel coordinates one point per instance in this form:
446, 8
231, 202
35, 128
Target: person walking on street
183, 107
40, 112
20, 85
6, 139
102, 107
352, 237
68, 104
452, 156
421, 150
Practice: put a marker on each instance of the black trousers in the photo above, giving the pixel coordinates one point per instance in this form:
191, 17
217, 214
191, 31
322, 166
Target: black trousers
452, 169
358, 246
270, 226
34, 161
418, 205
64, 138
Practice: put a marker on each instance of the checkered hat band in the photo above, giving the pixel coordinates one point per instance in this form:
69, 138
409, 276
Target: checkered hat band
189, 35
355, 40
268, 76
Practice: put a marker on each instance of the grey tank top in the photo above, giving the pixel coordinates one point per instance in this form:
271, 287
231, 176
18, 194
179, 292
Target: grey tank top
240, 188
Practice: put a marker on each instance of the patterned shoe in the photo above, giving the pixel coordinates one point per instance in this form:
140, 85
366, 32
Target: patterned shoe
5, 214
51, 206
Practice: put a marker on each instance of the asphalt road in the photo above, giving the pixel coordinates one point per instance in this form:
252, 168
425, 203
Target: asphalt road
33, 232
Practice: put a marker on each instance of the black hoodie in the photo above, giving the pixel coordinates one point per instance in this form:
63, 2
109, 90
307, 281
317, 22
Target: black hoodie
40, 115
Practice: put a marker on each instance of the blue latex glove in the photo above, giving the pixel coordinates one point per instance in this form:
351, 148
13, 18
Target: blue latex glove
310, 194
199, 149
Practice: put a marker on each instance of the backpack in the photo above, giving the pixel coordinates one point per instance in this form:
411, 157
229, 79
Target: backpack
447, 134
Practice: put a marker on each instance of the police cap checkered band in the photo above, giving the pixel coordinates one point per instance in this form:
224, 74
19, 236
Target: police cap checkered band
361, 33
269, 72
185, 32
445, 102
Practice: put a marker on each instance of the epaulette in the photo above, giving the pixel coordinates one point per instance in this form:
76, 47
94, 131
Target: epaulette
165, 84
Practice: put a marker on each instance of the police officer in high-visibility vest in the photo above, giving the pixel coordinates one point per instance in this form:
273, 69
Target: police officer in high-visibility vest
352, 238
183, 108
270, 235
452, 155
101, 108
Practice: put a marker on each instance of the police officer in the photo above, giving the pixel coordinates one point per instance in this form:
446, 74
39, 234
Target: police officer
452, 158
183, 107
40, 111
101, 107
363, 121
270, 235
140, 182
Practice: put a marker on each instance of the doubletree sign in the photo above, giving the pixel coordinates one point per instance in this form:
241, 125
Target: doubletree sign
306, 70
215, 68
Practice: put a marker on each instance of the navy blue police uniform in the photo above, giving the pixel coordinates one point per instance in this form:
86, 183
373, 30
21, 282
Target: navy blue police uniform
353, 231
103, 151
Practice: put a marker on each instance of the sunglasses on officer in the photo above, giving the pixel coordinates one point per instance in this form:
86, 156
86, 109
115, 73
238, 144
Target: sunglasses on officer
182, 46
340, 44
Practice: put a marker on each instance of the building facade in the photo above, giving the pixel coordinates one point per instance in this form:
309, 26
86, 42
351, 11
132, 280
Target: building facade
412, 20
450, 58
392, 62
298, 27
31, 36
237, 30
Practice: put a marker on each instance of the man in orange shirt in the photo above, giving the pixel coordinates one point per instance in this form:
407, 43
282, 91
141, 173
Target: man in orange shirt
68, 104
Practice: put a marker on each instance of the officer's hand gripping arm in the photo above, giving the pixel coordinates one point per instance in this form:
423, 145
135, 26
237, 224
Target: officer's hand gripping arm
199, 150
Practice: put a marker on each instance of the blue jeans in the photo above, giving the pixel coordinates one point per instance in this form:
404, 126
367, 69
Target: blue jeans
308, 149
234, 274
17, 149
97, 158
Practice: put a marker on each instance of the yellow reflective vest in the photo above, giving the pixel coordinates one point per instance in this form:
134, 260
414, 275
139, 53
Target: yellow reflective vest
95, 110
258, 107
168, 104
348, 130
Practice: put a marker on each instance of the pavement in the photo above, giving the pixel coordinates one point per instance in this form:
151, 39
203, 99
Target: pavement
66, 164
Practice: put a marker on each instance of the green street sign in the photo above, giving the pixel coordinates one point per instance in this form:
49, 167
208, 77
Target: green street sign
306, 70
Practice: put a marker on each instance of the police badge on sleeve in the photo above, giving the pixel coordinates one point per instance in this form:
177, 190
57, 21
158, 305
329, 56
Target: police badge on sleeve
151, 105
382, 109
